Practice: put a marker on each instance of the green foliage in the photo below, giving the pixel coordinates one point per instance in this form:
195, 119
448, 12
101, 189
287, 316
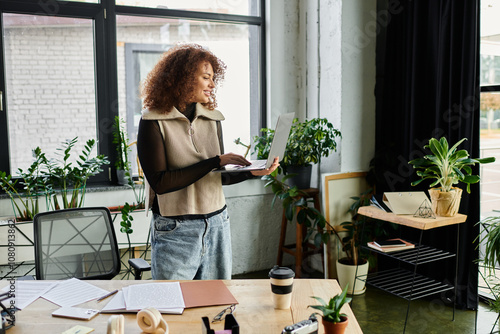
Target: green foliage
120, 139
70, 179
491, 242
331, 311
491, 256
26, 201
356, 236
50, 177
293, 201
126, 223
446, 165
308, 142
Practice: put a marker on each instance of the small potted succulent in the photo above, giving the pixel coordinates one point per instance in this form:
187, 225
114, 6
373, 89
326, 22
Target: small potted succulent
447, 166
333, 320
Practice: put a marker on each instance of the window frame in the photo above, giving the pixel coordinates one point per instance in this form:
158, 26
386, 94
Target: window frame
104, 15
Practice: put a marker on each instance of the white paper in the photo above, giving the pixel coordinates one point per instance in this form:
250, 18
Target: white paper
158, 295
28, 291
73, 292
117, 305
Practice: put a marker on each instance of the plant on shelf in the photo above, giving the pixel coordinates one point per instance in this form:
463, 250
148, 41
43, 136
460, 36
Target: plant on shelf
120, 139
50, 178
331, 312
447, 166
69, 178
26, 200
308, 142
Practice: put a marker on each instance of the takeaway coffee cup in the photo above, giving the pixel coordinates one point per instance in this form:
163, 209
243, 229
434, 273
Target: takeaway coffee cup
281, 286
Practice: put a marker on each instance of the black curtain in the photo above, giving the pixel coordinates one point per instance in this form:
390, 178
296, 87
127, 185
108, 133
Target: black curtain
428, 86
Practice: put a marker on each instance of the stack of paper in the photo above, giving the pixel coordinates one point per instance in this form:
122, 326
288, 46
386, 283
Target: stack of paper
166, 297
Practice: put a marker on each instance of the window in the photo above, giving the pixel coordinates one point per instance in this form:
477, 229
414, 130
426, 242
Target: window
72, 66
489, 124
490, 106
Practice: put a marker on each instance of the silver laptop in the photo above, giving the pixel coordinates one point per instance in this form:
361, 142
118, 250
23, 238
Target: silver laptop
278, 146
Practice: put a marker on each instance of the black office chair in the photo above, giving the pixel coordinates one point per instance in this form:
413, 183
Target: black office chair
78, 243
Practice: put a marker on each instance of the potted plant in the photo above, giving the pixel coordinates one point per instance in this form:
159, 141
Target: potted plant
447, 167
68, 178
490, 258
25, 200
308, 142
333, 320
355, 261
295, 204
120, 139
53, 178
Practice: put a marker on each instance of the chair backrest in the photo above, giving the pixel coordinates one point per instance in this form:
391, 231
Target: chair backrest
77, 243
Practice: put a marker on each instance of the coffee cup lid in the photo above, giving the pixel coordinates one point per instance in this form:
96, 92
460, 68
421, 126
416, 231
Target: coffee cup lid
281, 272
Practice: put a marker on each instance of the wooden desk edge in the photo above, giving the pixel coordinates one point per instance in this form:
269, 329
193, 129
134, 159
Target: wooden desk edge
409, 220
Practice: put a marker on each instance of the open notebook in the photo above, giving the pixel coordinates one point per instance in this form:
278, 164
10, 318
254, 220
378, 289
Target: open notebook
170, 297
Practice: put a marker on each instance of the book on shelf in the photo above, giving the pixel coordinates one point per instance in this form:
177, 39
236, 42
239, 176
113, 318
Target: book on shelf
401, 245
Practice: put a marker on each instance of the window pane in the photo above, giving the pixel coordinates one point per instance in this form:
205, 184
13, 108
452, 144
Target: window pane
490, 147
141, 41
239, 7
50, 91
490, 43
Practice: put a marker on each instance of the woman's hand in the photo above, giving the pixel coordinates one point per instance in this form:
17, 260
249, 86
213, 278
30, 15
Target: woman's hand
268, 171
233, 159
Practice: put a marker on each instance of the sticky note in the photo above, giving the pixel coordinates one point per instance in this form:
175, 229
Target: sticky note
78, 330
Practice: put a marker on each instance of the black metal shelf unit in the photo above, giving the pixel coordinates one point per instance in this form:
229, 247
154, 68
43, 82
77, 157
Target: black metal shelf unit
419, 255
404, 284
407, 284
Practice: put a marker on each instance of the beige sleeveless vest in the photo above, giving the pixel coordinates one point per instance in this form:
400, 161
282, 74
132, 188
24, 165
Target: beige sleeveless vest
186, 144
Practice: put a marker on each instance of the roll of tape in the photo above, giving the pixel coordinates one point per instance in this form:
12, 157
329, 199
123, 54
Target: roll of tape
151, 321
116, 324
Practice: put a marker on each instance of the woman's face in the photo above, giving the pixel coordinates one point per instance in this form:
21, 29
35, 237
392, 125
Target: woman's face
203, 83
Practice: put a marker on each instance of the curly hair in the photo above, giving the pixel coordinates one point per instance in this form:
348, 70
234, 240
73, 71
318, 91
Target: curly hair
171, 81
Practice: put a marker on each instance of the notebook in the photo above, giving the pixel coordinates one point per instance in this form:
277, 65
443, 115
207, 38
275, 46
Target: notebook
278, 146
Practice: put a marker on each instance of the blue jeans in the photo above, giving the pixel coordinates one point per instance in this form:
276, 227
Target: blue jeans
186, 249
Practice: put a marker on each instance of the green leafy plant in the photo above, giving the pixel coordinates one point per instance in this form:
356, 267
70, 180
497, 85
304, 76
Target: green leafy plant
25, 200
491, 256
50, 178
359, 231
70, 179
308, 142
446, 165
293, 201
491, 242
120, 139
296, 206
331, 311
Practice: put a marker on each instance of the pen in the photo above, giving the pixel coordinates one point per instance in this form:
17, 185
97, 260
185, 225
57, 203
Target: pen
108, 295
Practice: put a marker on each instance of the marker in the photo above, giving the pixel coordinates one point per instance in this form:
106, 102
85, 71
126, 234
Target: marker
108, 295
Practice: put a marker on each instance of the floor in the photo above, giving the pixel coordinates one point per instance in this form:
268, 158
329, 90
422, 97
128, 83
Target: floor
379, 312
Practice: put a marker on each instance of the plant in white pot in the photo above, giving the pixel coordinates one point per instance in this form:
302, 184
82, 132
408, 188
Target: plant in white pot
308, 142
447, 166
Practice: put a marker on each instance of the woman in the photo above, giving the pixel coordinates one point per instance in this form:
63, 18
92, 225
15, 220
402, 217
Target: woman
179, 145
